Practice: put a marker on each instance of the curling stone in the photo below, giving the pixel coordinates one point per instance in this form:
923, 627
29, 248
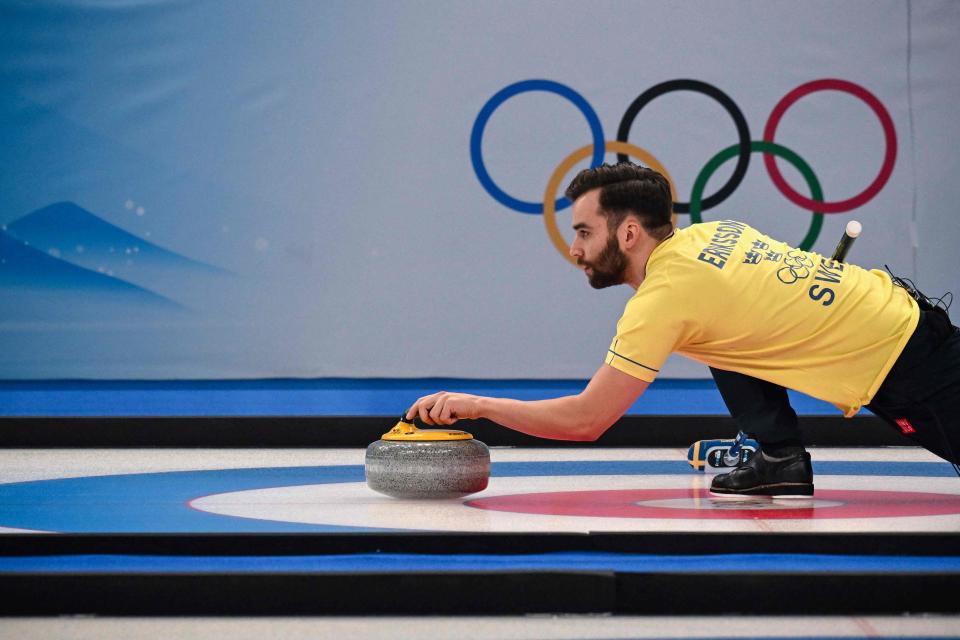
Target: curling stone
408, 462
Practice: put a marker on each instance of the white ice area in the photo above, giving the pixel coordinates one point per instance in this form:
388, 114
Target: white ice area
546, 627
20, 465
14, 530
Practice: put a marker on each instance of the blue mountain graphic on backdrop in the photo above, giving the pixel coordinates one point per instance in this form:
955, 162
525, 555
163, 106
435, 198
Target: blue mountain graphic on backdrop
76, 235
39, 286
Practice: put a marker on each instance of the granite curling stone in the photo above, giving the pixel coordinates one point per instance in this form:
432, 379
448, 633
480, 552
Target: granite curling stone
414, 463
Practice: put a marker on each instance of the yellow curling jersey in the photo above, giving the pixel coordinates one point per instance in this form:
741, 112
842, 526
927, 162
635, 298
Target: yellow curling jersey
724, 294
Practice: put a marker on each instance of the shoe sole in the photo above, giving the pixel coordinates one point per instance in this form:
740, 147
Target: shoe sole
782, 490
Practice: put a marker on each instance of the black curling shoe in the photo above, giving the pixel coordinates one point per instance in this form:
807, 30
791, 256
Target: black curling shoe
761, 476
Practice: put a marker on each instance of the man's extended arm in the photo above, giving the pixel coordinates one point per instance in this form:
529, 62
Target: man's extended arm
581, 417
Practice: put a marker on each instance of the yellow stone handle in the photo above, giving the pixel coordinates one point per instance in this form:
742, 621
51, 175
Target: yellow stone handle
407, 430
404, 427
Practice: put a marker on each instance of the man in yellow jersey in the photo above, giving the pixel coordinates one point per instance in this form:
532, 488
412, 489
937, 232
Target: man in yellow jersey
762, 315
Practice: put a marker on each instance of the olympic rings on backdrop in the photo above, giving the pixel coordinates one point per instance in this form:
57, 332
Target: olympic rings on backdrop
476, 138
889, 135
697, 204
769, 148
743, 132
611, 146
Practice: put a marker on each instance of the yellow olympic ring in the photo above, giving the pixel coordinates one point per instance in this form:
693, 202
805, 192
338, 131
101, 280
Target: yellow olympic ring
610, 146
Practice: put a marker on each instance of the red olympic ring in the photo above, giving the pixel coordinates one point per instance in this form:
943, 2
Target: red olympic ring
889, 135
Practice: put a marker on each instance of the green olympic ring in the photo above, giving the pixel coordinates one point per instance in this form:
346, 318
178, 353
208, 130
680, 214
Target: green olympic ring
760, 146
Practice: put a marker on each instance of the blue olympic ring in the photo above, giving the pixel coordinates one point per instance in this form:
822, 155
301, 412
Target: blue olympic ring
476, 136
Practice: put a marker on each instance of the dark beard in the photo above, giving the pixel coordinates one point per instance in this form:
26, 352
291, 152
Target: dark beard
609, 267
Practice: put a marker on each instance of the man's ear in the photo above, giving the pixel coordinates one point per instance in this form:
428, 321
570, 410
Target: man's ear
630, 232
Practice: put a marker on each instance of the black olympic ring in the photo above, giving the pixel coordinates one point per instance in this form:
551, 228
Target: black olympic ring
743, 132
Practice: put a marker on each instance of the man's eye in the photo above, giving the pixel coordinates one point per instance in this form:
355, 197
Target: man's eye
583, 234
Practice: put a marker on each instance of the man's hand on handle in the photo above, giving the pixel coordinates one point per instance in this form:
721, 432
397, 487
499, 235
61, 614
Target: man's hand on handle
445, 408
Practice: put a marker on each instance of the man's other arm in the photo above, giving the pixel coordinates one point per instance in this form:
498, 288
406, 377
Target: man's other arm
585, 416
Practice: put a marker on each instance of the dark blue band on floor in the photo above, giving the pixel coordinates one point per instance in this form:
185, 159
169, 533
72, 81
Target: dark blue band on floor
406, 562
329, 397
159, 502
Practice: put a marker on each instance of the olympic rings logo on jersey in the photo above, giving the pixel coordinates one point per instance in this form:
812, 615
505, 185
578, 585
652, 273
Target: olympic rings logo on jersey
797, 266
698, 203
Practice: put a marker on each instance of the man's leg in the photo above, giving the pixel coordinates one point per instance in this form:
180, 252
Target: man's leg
921, 395
762, 409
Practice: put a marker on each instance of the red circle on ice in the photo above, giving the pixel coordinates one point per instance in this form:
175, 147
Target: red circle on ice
699, 504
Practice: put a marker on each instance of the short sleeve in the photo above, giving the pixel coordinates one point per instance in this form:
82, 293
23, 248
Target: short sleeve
647, 333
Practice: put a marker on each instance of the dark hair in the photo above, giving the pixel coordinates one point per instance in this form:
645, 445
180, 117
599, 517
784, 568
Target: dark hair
627, 188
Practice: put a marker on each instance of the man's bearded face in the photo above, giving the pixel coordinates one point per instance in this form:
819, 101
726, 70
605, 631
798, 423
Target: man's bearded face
609, 268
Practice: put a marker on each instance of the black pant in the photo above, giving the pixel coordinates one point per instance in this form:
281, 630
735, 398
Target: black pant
920, 397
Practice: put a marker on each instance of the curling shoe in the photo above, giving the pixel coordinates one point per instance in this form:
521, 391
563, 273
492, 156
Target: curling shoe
761, 475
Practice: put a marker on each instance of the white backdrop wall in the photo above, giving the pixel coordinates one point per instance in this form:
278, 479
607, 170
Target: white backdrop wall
246, 189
